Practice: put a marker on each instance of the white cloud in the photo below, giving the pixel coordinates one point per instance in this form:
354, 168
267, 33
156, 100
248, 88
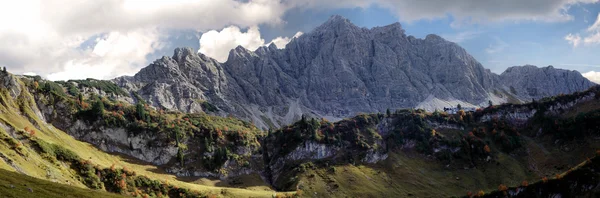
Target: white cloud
573, 39
114, 54
280, 42
596, 26
592, 76
45, 37
217, 44
124, 15
592, 38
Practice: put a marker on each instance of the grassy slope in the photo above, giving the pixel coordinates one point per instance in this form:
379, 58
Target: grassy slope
413, 174
410, 174
407, 173
33, 164
42, 188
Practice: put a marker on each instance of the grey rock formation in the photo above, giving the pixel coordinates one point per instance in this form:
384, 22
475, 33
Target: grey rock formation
338, 70
533, 82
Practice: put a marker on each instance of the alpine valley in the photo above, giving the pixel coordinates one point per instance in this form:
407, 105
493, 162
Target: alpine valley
341, 111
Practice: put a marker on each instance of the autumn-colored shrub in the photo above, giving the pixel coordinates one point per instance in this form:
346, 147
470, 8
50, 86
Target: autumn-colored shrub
481, 193
487, 149
502, 187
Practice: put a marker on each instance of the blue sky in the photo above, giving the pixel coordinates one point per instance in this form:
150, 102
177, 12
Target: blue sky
105, 39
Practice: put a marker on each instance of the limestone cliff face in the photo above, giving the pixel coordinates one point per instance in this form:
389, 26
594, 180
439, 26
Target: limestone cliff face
336, 71
533, 82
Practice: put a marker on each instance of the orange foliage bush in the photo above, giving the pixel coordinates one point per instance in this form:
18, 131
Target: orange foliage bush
481, 193
524, 183
487, 149
219, 133
122, 184
502, 187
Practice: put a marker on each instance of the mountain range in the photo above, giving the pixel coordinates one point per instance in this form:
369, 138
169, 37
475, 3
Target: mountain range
338, 70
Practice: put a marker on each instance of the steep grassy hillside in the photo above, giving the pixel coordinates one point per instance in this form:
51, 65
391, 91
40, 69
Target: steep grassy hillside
441, 155
31, 146
15, 185
579, 181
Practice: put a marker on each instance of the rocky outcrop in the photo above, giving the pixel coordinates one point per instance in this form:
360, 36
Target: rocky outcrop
11, 84
519, 115
530, 82
336, 71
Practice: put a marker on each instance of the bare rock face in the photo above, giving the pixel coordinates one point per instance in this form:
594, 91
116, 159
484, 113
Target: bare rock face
533, 82
335, 71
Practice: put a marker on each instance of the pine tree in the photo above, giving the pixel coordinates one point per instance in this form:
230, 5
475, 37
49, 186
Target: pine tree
180, 156
141, 112
207, 145
98, 107
388, 113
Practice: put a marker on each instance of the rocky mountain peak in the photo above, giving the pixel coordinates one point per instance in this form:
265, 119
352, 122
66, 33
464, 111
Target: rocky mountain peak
392, 28
434, 38
337, 19
336, 24
530, 81
238, 52
181, 53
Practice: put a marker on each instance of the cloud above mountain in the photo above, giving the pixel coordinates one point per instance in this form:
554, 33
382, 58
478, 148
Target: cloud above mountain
64, 39
592, 76
592, 35
217, 44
